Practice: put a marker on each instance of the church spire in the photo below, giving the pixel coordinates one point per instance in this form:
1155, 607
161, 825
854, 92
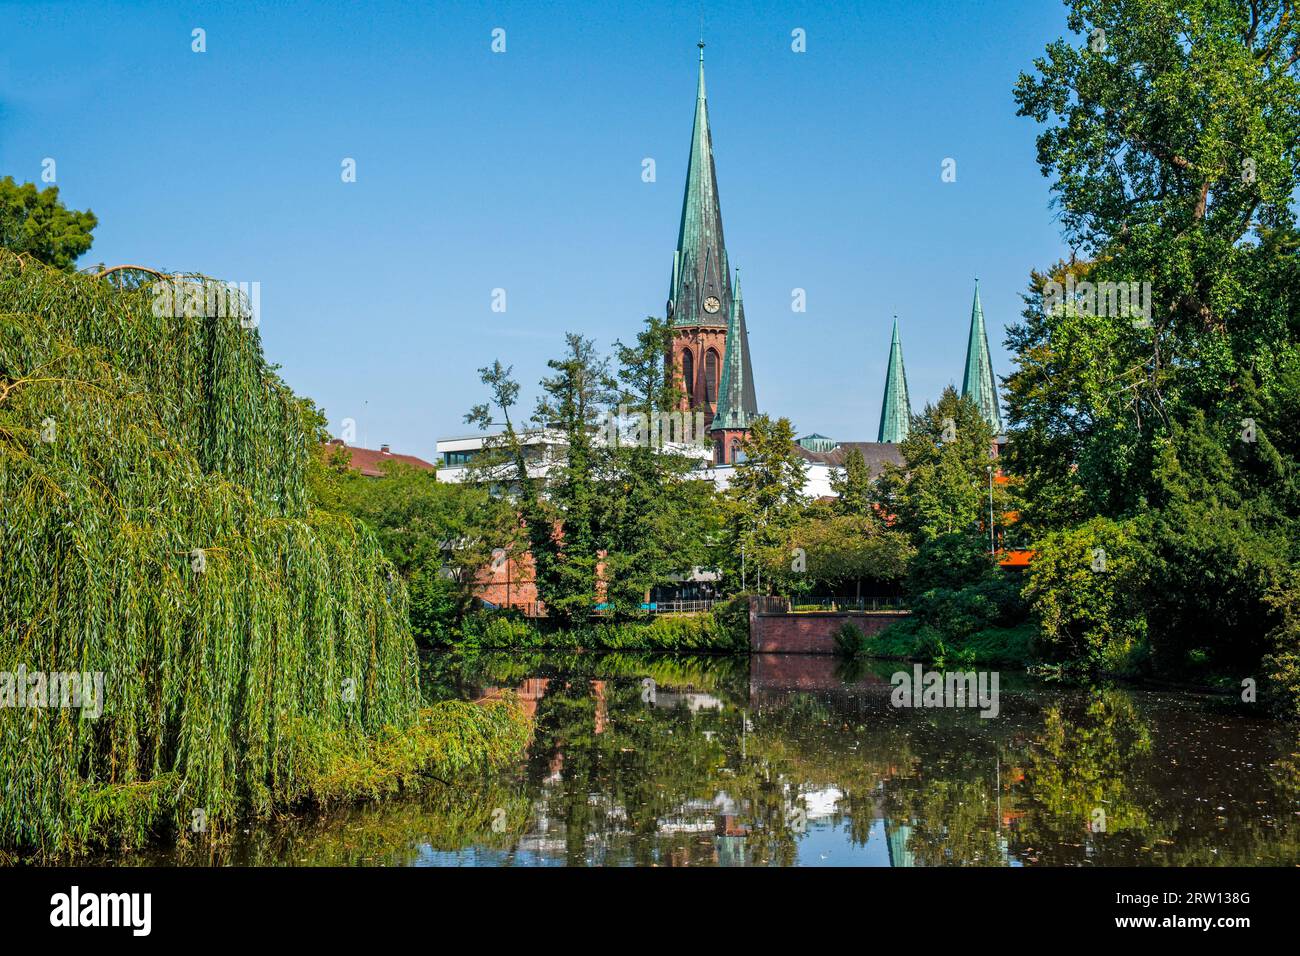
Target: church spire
736, 404
896, 409
979, 384
699, 292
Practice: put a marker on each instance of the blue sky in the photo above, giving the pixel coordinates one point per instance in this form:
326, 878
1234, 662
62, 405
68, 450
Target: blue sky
522, 170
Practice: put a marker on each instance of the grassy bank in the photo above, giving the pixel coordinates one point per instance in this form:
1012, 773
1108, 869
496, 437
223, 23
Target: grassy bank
450, 740
155, 530
723, 631
911, 640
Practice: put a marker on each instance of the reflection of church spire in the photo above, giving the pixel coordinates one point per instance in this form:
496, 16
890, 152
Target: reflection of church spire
897, 836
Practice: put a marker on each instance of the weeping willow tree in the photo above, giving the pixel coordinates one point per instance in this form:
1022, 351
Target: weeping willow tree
154, 528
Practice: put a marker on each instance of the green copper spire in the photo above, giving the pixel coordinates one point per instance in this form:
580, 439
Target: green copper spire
979, 383
736, 405
699, 292
896, 410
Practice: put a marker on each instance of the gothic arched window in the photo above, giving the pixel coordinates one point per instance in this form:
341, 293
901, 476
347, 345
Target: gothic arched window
688, 373
710, 376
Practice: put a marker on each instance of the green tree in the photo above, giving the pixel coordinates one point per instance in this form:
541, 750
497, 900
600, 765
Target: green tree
853, 485
34, 221
570, 407
845, 550
558, 497
1083, 588
507, 468
942, 485
1173, 139
764, 500
438, 535
656, 518
1172, 134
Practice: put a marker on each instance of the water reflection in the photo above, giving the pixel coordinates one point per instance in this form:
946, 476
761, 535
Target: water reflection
800, 760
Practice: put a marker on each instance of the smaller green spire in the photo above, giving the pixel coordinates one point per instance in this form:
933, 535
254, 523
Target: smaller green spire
732, 412
979, 384
896, 409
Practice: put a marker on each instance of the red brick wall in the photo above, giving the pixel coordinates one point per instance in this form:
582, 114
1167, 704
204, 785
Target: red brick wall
513, 583
810, 633
699, 339
509, 585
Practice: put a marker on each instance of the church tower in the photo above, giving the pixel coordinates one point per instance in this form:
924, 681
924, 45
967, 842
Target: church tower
731, 423
896, 409
709, 332
979, 383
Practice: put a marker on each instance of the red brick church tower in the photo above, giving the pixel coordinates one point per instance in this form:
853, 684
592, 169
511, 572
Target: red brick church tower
710, 348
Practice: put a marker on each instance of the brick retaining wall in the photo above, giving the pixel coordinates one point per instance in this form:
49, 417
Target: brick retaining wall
783, 632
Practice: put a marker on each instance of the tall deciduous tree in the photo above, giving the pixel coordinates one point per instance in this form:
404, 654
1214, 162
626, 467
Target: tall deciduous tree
942, 487
35, 221
765, 498
572, 402
655, 517
853, 485
1172, 134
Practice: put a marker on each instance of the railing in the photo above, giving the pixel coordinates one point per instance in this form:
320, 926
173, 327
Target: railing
527, 608
772, 605
680, 607
846, 604
538, 609
767, 604
884, 603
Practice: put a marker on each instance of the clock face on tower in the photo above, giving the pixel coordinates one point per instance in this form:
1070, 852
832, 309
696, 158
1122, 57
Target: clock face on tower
711, 304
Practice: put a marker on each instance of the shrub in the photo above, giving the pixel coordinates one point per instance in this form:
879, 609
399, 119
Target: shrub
1084, 587
666, 632
1282, 663
850, 641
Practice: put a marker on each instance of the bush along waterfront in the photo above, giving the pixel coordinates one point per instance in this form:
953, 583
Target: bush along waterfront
722, 631
155, 529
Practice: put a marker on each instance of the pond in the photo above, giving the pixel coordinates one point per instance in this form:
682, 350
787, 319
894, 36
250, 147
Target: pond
782, 760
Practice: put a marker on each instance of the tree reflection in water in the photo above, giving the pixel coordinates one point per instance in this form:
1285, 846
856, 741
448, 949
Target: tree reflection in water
778, 761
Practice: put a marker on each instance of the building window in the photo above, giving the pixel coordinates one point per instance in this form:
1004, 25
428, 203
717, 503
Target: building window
711, 376
457, 457
737, 456
688, 373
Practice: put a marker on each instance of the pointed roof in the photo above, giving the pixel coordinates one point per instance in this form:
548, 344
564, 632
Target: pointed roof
736, 404
979, 383
896, 409
700, 269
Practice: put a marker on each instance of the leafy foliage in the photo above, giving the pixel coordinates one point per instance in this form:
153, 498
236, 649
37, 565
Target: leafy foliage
1082, 588
438, 535
668, 633
35, 222
154, 527
942, 486
605, 520
850, 641
1172, 133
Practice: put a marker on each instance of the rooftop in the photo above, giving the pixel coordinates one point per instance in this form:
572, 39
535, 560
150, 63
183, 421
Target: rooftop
876, 453
370, 461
